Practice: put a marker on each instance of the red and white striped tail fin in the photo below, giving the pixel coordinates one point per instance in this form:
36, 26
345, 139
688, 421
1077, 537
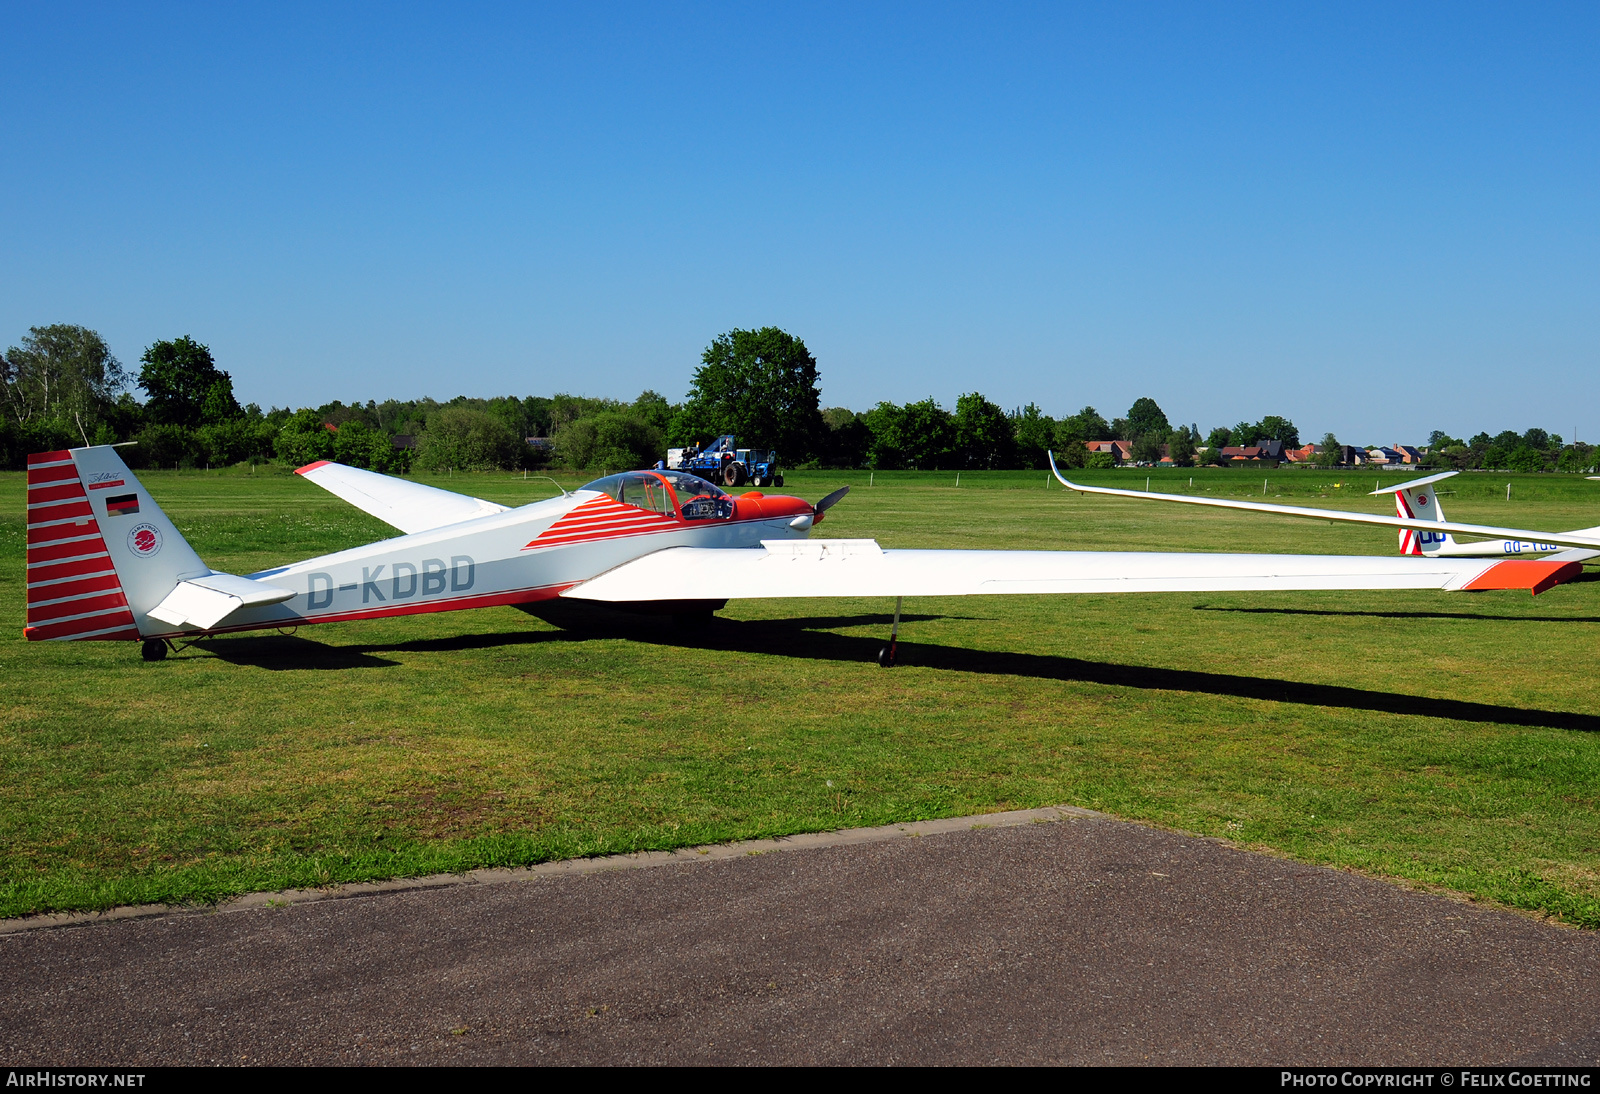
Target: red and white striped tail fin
74, 592
1417, 500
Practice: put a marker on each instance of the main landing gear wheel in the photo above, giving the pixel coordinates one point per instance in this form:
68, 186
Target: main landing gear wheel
154, 649
886, 654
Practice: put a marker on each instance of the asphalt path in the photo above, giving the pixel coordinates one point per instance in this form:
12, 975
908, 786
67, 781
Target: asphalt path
1082, 941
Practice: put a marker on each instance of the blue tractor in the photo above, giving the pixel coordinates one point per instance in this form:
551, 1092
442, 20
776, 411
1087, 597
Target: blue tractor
724, 462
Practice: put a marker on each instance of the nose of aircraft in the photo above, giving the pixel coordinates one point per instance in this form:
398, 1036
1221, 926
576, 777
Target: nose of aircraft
755, 505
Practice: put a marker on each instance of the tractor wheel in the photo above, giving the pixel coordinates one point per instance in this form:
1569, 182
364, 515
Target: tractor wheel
733, 474
755, 480
778, 481
153, 649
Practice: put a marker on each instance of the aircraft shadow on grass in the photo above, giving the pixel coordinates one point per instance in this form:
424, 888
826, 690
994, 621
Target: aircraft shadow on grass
813, 639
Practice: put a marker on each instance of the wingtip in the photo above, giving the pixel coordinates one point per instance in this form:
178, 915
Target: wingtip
312, 466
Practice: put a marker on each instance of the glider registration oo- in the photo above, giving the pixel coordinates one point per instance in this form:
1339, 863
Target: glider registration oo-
105, 563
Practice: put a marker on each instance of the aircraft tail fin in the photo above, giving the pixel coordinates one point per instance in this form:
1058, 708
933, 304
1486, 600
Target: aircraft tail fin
101, 553
1417, 500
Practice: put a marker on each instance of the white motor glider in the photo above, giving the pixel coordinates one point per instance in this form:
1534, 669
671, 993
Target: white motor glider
1419, 518
105, 563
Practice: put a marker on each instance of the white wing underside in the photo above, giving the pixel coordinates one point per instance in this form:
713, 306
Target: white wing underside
804, 568
408, 506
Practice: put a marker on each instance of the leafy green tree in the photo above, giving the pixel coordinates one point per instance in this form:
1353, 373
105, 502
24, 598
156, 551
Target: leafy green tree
1035, 433
1086, 425
1245, 434
1525, 458
1146, 448
1219, 438
165, 444
304, 438
983, 434
1538, 439
463, 439
61, 373
919, 435
1576, 458
184, 385
847, 440
1098, 461
760, 385
1275, 428
1180, 446
612, 440
235, 441
1331, 449
1145, 418
652, 407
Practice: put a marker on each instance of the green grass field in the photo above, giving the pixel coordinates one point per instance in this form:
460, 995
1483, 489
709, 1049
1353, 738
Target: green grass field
1450, 740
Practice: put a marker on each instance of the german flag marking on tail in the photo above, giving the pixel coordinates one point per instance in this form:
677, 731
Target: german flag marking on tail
73, 591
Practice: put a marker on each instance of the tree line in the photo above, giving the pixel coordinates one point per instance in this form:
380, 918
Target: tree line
63, 387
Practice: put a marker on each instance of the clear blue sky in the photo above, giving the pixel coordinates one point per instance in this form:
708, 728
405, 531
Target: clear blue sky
1376, 219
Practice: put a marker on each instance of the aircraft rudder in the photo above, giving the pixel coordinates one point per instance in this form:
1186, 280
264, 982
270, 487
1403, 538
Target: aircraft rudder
101, 552
73, 591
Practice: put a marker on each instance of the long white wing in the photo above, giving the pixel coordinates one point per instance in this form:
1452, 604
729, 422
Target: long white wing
409, 506
860, 568
1587, 538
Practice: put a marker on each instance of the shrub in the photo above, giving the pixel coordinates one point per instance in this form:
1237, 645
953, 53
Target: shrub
610, 441
468, 440
166, 445
303, 439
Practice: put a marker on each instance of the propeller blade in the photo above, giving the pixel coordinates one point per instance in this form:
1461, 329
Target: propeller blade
831, 500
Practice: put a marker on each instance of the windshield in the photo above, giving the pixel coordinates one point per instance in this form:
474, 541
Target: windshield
640, 489
697, 498
688, 486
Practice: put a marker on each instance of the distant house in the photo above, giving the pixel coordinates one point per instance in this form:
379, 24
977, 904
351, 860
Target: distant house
541, 444
404, 440
1303, 454
1408, 453
1121, 451
1260, 454
1386, 456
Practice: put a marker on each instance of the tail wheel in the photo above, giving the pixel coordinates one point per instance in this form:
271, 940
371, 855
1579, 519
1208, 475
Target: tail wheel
154, 649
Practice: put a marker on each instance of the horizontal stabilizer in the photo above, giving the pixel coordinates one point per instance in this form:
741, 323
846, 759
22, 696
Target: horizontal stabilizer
203, 602
408, 506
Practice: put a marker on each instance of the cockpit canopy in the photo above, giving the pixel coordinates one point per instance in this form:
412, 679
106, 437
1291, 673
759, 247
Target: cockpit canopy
697, 499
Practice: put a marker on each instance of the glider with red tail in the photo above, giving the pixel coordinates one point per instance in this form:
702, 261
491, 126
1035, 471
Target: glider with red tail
105, 563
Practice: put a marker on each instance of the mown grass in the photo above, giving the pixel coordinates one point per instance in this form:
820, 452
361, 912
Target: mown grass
1446, 739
